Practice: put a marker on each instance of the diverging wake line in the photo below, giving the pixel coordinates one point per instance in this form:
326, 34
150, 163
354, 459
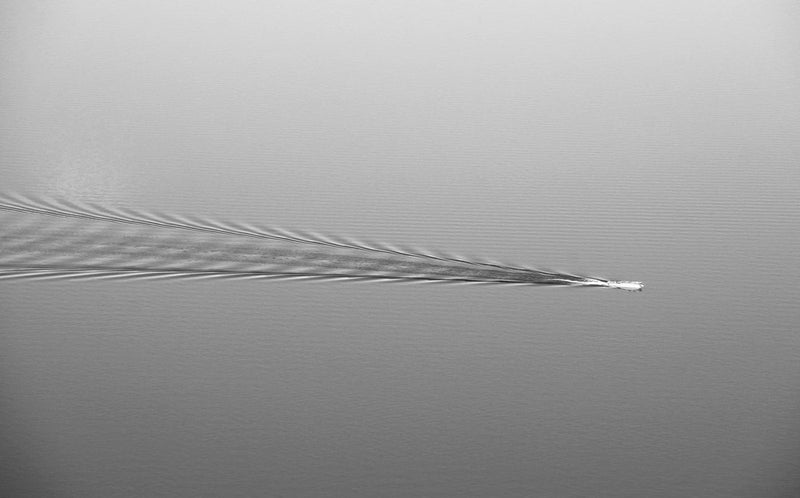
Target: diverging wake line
61, 240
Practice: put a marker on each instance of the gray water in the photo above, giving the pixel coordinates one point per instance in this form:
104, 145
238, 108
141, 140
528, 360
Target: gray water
653, 142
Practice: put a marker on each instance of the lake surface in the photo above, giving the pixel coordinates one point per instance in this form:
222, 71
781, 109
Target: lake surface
618, 140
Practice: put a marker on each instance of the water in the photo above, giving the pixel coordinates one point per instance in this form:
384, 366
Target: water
616, 140
53, 241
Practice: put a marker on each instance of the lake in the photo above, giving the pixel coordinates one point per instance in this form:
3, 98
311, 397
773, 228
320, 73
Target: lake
612, 139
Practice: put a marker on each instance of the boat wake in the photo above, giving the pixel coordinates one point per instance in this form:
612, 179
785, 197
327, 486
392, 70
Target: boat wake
51, 240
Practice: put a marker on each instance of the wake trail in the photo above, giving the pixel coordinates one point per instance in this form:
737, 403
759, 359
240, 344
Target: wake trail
66, 240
